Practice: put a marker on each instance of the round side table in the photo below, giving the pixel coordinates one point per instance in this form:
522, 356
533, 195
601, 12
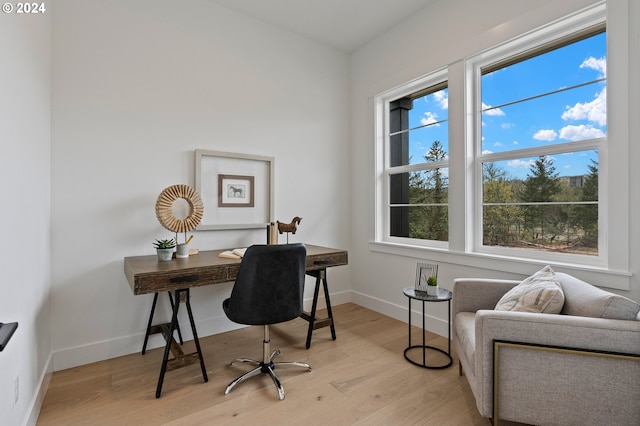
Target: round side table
443, 296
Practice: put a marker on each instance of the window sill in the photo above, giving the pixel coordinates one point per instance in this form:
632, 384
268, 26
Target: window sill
601, 277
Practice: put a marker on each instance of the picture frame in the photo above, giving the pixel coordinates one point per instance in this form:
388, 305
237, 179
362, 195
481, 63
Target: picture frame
253, 207
236, 191
423, 272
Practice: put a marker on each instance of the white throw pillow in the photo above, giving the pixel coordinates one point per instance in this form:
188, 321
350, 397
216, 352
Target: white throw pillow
539, 293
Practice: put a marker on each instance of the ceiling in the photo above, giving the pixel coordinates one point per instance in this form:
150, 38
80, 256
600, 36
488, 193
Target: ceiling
343, 24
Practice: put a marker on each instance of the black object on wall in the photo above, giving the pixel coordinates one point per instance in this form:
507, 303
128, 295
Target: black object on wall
6, 331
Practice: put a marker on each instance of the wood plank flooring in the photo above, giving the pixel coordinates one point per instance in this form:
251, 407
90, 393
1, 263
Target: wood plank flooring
361, 378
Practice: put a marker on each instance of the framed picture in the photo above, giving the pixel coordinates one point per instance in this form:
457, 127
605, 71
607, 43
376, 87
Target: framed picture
423, 272
236, 189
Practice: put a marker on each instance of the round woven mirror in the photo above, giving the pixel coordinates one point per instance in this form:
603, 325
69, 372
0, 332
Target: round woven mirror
164, 208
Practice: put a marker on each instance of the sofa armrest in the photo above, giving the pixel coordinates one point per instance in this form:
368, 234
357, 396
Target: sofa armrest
595, 334
474, 294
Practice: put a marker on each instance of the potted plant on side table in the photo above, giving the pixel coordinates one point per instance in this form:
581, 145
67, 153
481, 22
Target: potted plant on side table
164, 248
432, 286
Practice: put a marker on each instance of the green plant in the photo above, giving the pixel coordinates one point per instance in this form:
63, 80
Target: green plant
432, 281
165, 244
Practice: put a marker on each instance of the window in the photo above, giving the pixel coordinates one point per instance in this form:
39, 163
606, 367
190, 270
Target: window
520, 168
541, 124
416, 161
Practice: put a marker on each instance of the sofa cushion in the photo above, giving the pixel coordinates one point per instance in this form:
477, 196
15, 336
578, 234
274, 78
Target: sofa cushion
585, 300
540, 293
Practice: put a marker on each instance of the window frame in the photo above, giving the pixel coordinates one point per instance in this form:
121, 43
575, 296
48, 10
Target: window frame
562, 32
384, 170
615, 214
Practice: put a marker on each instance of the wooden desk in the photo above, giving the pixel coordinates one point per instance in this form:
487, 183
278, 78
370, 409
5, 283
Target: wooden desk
147, 275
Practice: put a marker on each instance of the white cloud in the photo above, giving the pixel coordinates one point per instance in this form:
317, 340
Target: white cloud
519, 164
581, 132
442, 99
497, 144
596, 64
429, 118
545, 135
495, 111
595, 111
515, 142
486, 151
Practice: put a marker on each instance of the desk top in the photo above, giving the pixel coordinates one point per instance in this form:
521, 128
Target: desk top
146, 274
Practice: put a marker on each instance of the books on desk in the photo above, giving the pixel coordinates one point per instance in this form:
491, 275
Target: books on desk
233, 254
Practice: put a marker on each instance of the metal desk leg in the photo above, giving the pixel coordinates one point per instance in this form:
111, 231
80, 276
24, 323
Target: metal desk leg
156, 329
315, 323
146, 335
169, 340
180, 359
178, 324
195, 339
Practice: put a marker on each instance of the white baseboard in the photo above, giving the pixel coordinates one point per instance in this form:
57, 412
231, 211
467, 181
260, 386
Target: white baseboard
432, 324
38, 398
113, 348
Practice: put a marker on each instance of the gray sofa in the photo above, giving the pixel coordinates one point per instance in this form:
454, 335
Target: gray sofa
552, 369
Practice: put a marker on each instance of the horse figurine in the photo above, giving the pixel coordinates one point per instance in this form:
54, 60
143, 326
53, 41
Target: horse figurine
289, 227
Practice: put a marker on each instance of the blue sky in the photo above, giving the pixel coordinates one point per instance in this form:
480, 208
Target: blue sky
572, 115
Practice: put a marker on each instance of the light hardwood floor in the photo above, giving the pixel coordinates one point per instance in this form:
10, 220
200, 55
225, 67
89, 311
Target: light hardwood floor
361, 378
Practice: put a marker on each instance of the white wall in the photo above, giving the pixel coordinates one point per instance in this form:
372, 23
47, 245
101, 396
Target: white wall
25, 46
137, 87
443, 35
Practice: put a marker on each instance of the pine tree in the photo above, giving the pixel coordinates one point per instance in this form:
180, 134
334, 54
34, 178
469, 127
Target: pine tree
540, 187
430, 222
586, 216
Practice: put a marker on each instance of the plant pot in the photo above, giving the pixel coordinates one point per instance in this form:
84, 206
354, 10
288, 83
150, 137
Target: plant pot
182, 251
432, 290
164, 254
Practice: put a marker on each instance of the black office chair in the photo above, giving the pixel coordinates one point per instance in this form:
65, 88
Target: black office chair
268, 290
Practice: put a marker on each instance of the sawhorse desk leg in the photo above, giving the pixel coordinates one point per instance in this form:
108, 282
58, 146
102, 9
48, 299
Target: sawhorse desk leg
180, 359
151, 329
314, 322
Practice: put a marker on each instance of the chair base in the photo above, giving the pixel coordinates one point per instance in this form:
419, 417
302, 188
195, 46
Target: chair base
265, 368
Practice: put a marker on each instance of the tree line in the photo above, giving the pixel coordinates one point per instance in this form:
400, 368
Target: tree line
543, 211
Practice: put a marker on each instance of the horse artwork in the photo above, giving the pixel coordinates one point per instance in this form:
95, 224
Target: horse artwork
289, 227
236, 191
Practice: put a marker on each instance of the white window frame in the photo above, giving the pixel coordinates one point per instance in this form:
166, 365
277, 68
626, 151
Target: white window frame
535, 39
614, 272
383, 168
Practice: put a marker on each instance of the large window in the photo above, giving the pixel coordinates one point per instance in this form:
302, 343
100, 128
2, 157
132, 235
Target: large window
542, 122
519, 167
417, 173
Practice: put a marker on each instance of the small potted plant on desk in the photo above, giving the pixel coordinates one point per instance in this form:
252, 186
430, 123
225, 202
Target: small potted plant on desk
432, 286
164, 248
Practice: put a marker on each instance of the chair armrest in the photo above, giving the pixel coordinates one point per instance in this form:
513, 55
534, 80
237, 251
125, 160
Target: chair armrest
595, 334
474, 294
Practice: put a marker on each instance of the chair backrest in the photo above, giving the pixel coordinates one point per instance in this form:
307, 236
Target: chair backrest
269, 286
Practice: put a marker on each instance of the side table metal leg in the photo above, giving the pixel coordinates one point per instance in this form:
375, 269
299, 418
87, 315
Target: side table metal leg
449, 321
424, 345
409, 323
